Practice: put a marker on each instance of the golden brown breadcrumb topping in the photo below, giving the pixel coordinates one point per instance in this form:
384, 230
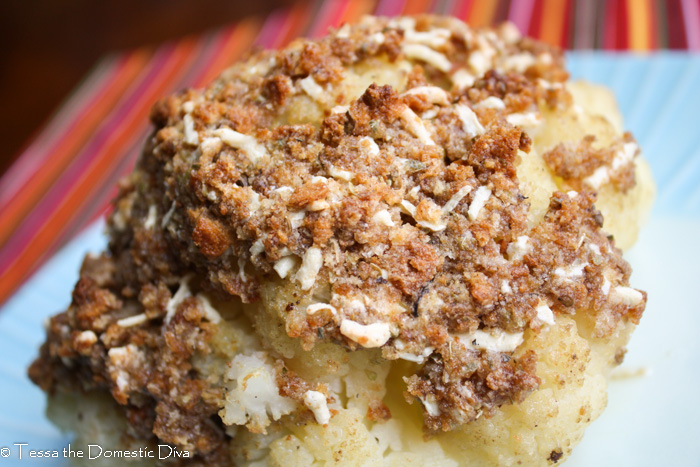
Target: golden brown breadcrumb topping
582, 166
398, 207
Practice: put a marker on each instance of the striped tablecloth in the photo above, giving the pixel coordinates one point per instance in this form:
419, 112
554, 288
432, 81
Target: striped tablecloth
67, 175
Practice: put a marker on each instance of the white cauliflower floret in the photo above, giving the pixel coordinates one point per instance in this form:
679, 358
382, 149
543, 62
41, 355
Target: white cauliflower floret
388, 435
253, 396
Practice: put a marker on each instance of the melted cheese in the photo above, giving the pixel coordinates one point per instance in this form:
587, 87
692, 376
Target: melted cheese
431, 406
434, 38
86, 338
426, 54
310, 266
491, 102
182, 293
210, 313
191, 135
340, 173
456, 198
367, 335
369, 145
284, 265
132, 320
519, 248
312, 88
383, 217
494, 340
601, 176
626, 295
505, 287
480, 197
415, 126
524, 120
420, 358
432, 94
151, 218
255, 151
316, 307
462, 79
544, 313
574, 270
470, 123
316, 402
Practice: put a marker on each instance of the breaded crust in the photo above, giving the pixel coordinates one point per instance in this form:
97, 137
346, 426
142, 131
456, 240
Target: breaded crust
404, 190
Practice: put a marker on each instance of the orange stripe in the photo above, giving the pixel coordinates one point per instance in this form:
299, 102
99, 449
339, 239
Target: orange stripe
241, 39
72, 201
414, 7
61, 157
482, 12
356, 9
553, 17
639, 16
654, 25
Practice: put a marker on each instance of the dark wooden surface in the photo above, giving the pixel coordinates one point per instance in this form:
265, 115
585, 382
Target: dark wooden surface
47, 47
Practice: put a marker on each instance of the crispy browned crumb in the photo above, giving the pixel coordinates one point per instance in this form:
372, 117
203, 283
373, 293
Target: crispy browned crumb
146, 367
401, 208
577, 163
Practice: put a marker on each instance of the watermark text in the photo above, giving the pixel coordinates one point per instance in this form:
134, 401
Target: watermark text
92, 452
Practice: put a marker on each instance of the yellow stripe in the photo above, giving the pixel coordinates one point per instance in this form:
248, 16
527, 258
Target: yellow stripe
638, 14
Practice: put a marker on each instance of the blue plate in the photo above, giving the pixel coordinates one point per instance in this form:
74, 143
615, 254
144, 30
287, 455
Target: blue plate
651, 419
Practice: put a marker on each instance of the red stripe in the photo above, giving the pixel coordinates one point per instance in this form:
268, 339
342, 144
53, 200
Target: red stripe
24, 169
52, 199
237, 40
501, 13
93, 150
221, 48
390, 7
43, 238
100, 201
66, 175
654, 20
461, 9
608, 16
622, 36
52, 160
29, 255
567, 30
521, 14
271, 28
207, 49
299, 19
323, 18
121, 159
23, 204
536, 19
336, 19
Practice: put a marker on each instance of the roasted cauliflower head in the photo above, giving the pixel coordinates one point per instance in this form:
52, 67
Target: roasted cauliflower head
398, 244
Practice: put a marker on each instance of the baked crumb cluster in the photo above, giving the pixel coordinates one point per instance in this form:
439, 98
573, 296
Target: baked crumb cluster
583, 166
395, 209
